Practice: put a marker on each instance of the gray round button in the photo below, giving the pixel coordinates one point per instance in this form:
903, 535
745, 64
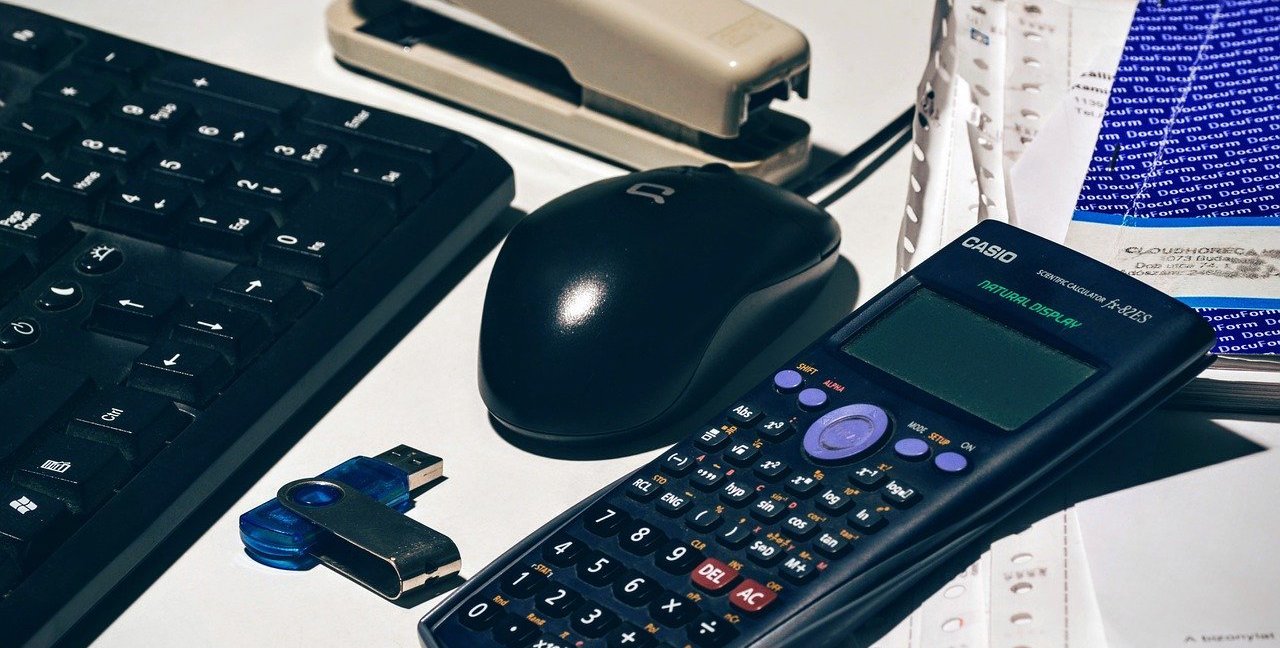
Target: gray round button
845, 432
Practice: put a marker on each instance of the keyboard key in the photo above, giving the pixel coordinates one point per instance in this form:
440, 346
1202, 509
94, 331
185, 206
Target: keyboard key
77, 471
151, 113
640, 538
514, 631
558, 601
711, 632
40, 126
100, 259
59, 296
134, 311
188, 167
672, 610
269, 188
136, 423
439, 149
114, 56
30, 522
145, 209
562, 550
304, 152
712, 439
401, 183
673, 504
598, 569
37, 397
33, 42
593, 620
899, 494
224, 231
703, 519
764, 552
635, 589
223, 130
522, 583
15, 272
41, 234
16, 163
71, 188
799, 527
19, 332
677, 464
801, 485
236, 334
479, 613
241, 90
677, 557
745, 414
630, 636
107, 143
324, 245
714, 576
74, 90
797, 569
752, 597
706, 478
185, 373
866, 519
277, 298
642, 489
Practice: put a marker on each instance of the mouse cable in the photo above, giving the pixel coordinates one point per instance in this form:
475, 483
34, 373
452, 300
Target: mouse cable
896, 134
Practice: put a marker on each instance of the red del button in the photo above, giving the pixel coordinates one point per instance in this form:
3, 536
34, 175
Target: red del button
751, 596
713, 575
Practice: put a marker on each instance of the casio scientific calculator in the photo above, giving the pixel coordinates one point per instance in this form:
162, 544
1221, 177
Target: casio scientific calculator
834, 485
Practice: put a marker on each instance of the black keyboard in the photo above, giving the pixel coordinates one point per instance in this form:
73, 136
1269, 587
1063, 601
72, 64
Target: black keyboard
187, 254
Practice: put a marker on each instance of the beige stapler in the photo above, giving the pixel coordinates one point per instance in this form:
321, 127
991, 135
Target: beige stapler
646, 83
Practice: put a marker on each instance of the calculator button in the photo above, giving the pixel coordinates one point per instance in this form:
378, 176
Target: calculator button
797, 569
776, 429
630, 636
831, 544
769, 510
676, 557
866, 519
751, 596
522, 583
742, 453
635, 589
711, 632
673, 504
677, 464
706, 478
812, 398
704, 519
799, 527
604, 520
834, 501
714, 576
734, 536
846, 432
598, 569
479, 613
744, 414
764, 552
712, 439
787, 380
951, 462
736, 494
802, 485
673, 610
867, 478
593, 620
557, 601
771, 469
643, 489
562, 550
640, 538
900, 494
911, 448
514, 631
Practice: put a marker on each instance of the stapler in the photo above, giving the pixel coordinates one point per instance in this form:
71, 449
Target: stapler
644, 83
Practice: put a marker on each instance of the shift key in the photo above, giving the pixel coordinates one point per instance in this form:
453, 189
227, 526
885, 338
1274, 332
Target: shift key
36, 398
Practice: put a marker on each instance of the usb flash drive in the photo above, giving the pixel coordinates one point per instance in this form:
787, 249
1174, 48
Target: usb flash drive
351, 518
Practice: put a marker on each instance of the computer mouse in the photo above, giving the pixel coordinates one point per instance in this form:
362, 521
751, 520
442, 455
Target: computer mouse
615, 308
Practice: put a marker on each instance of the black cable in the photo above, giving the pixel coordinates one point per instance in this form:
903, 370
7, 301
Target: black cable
891, 132
866, 172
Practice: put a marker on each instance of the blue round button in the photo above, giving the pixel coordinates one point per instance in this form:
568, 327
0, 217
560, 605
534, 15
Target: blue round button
845, 432
951, 462
812, 398
787, 380
911, 448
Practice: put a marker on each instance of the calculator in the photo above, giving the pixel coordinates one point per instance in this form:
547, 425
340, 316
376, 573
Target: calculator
840, 480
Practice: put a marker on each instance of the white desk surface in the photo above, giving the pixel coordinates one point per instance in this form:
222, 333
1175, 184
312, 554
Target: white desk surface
867, 59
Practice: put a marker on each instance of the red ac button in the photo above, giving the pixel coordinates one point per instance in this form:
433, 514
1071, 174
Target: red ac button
751, 596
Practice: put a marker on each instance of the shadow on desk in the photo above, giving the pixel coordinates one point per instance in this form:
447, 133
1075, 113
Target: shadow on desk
221, 500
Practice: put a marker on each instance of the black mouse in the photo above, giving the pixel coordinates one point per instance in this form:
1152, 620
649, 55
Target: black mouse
616, 308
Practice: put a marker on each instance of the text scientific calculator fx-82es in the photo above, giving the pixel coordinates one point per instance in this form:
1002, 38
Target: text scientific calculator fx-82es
834, 485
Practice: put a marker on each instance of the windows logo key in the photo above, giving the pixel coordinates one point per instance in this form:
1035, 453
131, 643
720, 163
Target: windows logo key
23, 505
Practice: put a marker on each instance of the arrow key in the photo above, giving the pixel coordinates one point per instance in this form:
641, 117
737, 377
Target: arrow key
239, 335
133, 311
144, 209
185, 373
277, 298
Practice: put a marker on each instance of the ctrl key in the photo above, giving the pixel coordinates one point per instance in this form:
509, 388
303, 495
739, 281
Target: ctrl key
80, 472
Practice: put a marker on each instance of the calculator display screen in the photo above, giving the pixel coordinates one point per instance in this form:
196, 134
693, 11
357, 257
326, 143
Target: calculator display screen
962, 357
